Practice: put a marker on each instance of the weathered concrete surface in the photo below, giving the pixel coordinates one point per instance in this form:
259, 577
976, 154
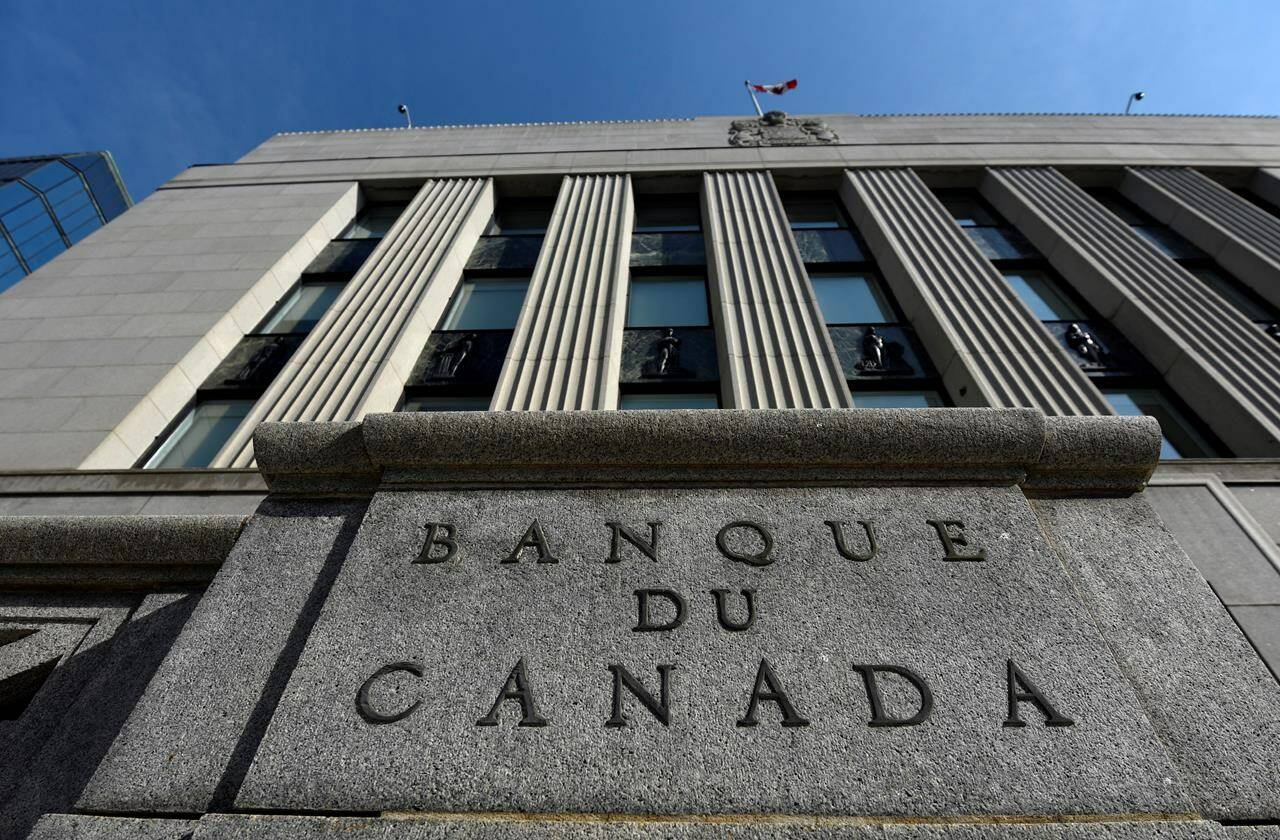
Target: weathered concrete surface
1215, 705
467, 621
83, 827
53, 749
200, 719
744, 827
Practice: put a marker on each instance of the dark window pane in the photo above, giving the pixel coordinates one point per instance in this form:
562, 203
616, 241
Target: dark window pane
446, 404
851, 299
83, 228
14, 194
49, 176
1238, 297
1168, 243
1042, 294
1180, 439
667, 215
668, 302
1117, 204
520, 217
631, 402
968, 211
200, 435
304, 308
897, 399
374, 220
487, 304
999, 243
814, 213
826, 246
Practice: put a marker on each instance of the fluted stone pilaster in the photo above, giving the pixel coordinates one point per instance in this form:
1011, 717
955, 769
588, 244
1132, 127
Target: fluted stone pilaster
1242, 237
774, 349
566, 352
359, 355
989, 347
1226, 369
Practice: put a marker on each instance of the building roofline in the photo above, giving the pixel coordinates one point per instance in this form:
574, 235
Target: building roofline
402, 128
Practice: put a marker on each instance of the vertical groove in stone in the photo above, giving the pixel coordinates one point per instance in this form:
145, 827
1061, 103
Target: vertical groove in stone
1004, 349
776, 353
1169, 313
566, 351
1242, 236
341, 358
1233, 215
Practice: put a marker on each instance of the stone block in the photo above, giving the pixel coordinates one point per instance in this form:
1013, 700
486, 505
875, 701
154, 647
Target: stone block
463, 625
190, 738
1228, 559
1216, 707
86, 827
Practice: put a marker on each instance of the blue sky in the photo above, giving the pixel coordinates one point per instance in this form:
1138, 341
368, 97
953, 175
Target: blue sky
164, 85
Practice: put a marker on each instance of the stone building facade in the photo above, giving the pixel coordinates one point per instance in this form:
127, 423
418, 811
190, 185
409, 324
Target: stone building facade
229, 415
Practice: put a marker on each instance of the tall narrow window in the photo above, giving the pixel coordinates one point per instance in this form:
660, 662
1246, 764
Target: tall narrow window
669, 353
460, 364
884, 364
1197, 262
1114, 366
226, 397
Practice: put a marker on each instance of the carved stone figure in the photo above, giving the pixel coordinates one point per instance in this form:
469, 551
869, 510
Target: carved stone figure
667, 358
872, 351
1081, 341
449, 360
775, 128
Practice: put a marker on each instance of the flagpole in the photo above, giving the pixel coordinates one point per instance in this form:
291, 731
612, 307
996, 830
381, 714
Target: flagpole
754, 101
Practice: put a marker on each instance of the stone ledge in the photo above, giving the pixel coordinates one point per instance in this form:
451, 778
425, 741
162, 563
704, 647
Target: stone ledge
784, 446
114, 551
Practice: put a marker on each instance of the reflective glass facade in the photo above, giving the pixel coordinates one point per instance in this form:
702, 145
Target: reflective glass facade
48, 204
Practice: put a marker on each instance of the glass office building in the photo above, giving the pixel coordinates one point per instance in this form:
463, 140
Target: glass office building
47, 204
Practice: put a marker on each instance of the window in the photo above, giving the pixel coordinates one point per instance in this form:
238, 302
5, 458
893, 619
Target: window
487, 303
668, 302
897, 399
1047, 300
814, 213
852, 299
984, 227
446, 403
302, 310
520, 217
667, 214
374, 220
1253, 307
1165, 240
630, 402
1181, 440
200, 434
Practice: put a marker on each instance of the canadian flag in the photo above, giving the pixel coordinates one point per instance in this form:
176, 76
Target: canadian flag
778, 88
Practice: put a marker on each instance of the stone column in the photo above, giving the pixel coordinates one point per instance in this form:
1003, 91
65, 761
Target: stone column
774, 348
358, 357
1266, 183
1222, 365
1242, 237
566, 352
989, 347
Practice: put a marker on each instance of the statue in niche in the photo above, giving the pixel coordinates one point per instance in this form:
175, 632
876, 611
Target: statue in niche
872, 351
1273, 330
1083, 343
449, 360
667, 356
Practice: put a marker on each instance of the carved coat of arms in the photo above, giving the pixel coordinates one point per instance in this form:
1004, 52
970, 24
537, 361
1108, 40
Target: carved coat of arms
775, 128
